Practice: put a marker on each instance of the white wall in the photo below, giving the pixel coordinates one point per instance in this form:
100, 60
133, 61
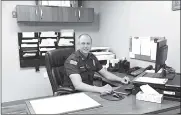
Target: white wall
0, 59
18, 83
121, 19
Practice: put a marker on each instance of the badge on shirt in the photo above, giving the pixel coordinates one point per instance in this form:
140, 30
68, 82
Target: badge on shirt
73, 62
94, 63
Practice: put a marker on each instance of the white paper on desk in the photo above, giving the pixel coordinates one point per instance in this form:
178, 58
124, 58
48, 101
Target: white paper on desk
151, 80
63, 104
145, 46
153, 47
28, 34
136, 45
148, 90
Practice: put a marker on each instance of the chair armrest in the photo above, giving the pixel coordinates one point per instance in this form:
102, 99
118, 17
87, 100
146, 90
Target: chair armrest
65, 89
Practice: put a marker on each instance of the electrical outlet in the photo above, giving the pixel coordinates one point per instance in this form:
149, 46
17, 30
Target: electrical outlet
14, 14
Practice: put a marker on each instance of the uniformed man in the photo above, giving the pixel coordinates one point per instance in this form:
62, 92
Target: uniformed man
81, 65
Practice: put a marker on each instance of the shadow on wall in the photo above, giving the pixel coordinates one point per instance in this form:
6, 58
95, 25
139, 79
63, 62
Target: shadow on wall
53, 26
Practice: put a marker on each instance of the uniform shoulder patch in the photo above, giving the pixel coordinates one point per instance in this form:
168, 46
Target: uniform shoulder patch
73, 62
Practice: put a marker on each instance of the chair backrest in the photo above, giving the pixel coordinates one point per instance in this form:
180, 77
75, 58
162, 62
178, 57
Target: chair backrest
54, 63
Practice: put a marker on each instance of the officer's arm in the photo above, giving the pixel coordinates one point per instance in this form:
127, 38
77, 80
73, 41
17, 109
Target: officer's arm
79, 85
108, 75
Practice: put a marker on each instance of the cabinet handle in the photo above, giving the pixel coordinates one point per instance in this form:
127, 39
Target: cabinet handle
79, 14
36, 12
41, 13
75, 14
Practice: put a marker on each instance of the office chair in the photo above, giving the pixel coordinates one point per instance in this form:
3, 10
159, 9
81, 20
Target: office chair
54, 63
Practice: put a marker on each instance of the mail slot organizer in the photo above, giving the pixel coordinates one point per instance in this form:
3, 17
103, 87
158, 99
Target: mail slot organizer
34, 45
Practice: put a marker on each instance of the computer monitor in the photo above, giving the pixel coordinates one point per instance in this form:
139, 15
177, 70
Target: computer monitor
161, 56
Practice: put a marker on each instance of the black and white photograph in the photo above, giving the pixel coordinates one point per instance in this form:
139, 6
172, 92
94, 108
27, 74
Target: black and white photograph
90, 57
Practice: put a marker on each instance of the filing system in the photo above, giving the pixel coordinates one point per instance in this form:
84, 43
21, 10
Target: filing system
34, 45
170, 90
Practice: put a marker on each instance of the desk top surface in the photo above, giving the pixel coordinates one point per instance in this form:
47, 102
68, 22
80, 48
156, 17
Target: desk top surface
129, 105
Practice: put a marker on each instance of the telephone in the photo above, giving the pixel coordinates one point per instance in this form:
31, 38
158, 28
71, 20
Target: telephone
135, 71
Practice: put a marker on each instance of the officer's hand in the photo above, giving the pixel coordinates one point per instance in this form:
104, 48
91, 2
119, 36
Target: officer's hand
125, 80
106, 89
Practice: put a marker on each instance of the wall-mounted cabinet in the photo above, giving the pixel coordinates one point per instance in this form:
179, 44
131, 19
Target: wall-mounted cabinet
86, 14
27, 13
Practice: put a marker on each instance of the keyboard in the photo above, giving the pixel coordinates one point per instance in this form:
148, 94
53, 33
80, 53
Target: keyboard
137, 72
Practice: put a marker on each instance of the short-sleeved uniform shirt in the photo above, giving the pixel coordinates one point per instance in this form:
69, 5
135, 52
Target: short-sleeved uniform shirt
77, 63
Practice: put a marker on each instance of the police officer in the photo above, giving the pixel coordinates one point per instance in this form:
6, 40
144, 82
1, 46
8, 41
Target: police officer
81, 65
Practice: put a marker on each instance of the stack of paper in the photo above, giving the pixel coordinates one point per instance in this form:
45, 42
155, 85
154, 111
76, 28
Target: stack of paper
145, 46
28, 45
48, 34
151, 80
153, 46
29, 54
46, 49
65, 42
67, 33
28, 34
63, 104
48, 42
136, 45
32, 41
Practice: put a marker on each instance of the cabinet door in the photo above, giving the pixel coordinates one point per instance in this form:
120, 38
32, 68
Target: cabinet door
60, 14
70, 14
86, 14
27, 13
55, 14
45, 14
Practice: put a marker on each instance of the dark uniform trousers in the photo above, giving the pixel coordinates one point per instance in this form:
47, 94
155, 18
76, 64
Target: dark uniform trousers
77, 63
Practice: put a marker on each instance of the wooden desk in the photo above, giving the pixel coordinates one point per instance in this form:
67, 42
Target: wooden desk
129, 105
